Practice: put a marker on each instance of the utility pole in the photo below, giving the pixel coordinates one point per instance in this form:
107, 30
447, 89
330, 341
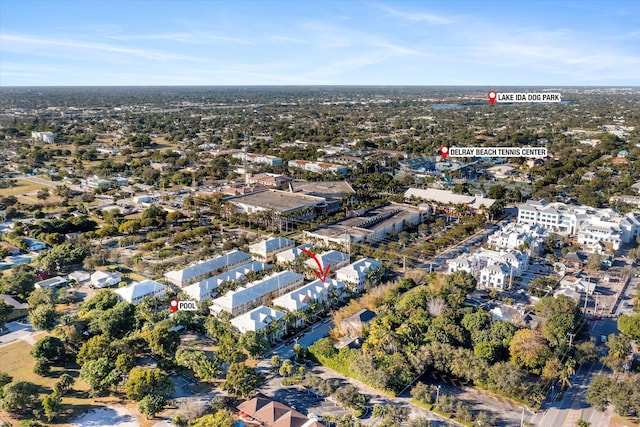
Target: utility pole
522, 418
437, 393
571, 338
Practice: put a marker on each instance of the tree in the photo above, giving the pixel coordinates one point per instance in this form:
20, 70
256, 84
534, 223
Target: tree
255, 343
95, 347
4, 380
124, 363
5, 311
19, 397
196, 360
151, 404
20, 282
619, 349
41, 296
43, 317
275, 361
286, 368
529, 349
100, 374
221, 418
117, 321
144, 381
49, 349
163, 341
628, 325
598, 394
241, 380
51, 404
64, 384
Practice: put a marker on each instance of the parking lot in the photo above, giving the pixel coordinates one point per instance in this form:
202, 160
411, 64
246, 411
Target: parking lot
308, 402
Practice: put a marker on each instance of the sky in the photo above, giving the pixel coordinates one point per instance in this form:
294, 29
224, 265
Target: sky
319, 42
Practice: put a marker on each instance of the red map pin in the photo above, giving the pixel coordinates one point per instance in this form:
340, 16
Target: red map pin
444, 152
174, 305
492, 96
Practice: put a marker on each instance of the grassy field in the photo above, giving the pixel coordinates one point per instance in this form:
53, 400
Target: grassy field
21, 187
17, 362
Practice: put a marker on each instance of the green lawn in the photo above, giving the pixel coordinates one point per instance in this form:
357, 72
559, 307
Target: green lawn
17, 362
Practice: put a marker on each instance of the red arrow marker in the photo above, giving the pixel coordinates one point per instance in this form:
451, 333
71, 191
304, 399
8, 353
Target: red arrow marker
322, 275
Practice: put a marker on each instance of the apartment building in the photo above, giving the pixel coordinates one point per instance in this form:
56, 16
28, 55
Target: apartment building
266, 250
256, 293
205, 269
355, 274
262, 159
207, 288
492, 269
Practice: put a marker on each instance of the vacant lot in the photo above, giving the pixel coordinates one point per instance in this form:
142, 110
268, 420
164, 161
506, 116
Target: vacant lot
22, 187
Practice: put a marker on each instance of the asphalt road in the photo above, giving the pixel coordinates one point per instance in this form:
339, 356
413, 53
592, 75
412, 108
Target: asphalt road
573, 406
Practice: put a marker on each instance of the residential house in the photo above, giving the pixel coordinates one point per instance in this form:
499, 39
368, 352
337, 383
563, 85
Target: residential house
52, 283
19, 308
103, 279
292, 254
353, 325
138, 291
80, 276
492, 269
268, 413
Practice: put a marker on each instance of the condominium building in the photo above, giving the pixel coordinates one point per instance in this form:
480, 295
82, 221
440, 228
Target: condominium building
263, 159
266, 250
208, 288
590, 225
299, 299
355, 274
256, 293
492, 269
205, 269
318, 167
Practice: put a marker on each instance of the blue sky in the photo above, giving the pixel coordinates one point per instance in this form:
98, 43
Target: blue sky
207, 42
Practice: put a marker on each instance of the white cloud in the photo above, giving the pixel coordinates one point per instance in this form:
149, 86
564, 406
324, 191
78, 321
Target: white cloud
42, 46
428, 18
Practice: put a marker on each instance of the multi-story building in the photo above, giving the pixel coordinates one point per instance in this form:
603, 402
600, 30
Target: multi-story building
266, 250
318, 167
208, 288
335, 259
492, 269
257, 319
355, 274
262, 159
516, 236
205, 269
47, 137
590, 225
299, 299
256, 293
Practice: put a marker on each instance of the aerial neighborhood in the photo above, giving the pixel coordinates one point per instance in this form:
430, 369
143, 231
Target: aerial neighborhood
288, 259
